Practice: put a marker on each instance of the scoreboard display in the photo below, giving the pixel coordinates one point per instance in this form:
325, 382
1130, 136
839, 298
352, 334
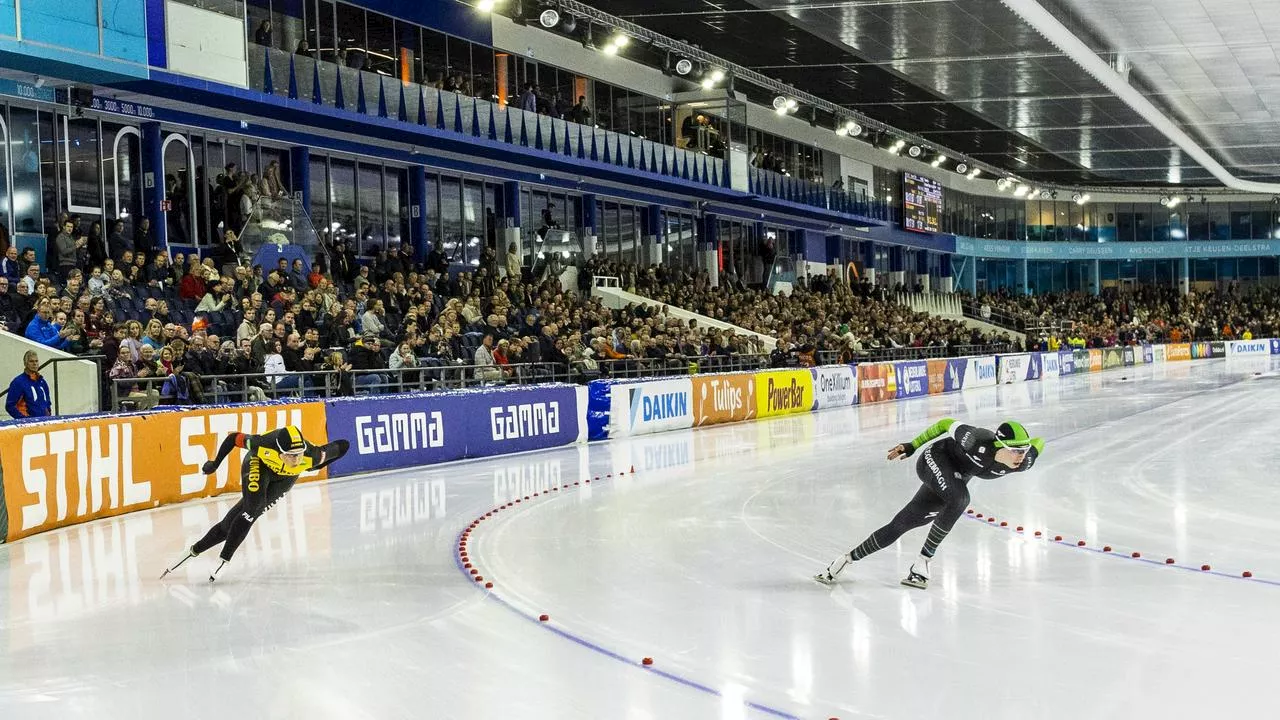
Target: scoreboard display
921, 203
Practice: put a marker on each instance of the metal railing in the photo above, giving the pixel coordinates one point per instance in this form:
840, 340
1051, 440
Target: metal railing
933, 352
306, 79
144, 393
644, 367
978, 310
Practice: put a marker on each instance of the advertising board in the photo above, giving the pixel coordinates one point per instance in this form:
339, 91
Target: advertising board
651, 406
783, 392
876, 382
834, 386
1248, 347
1177, 351
64, 473
724, 398
410, 430
911, 377
981, 372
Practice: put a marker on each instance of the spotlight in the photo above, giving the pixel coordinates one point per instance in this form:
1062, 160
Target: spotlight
850, 128
915, 151
1080, 198
569, 24
941, 159
1164, 200
897, 147
621, 40
1003, 184
549, 18
717, 75
1173, 201
962, 168
486, 5
1044, 194
973, 173
610, 49
707, 84
684, 66
1021, 190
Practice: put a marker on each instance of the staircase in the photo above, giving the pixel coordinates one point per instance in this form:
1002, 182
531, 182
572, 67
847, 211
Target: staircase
952, 307
614, 297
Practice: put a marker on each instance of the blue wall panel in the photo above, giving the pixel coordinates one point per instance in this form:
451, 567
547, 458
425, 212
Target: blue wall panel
8, 18
124, 30
63, 23
450, 17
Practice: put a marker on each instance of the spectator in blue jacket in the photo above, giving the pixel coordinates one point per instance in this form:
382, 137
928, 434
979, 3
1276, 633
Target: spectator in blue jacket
28, 393
10, 266
43, 330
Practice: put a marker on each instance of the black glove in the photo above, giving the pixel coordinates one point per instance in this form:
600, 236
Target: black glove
908, 449
209, 468
332, 452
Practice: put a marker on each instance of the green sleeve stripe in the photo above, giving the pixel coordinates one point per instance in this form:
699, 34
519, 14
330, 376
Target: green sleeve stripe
935, 430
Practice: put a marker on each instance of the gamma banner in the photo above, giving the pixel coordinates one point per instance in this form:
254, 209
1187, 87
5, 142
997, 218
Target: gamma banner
63, 473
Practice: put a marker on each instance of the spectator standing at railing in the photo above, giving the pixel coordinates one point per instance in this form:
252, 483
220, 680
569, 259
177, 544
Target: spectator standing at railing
344, 380
28, 394
262, 35
143, 241
528, 99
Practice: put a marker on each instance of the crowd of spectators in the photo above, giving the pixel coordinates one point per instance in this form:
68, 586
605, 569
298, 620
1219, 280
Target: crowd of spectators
1145, 313
821, 318
186, 329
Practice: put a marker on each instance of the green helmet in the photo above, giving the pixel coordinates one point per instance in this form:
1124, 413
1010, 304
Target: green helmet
1012, 434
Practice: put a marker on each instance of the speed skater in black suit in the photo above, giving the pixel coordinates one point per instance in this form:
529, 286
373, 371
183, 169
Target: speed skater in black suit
272, 464
944, 469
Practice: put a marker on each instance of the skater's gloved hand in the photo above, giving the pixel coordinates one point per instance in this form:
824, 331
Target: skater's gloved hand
902, 452
209, 468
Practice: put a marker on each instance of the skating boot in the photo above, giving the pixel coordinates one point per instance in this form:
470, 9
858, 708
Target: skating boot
918, 575
191, 552
828, 576
214, 575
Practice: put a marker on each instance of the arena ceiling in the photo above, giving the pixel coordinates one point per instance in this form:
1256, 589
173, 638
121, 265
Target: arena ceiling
973, 76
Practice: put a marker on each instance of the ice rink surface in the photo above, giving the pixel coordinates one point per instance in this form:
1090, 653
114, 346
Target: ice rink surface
347, 600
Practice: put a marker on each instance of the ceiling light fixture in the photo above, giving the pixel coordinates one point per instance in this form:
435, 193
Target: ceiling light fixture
915, 151
486, 5
549, 18
973, 174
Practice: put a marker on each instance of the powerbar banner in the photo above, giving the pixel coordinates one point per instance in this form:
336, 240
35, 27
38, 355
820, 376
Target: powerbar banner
410, 430
67, 472
783, 392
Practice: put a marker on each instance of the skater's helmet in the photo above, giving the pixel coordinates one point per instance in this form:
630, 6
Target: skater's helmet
1012, 434
290, 442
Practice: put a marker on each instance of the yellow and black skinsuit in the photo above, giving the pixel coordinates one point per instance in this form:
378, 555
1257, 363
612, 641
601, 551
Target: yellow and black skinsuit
264, 479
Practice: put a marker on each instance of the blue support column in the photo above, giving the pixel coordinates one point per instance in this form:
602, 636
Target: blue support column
418, 201
654, 233
298, 175
153, 182
1020, 277
897, 265
922, 270
869, 261
944, 273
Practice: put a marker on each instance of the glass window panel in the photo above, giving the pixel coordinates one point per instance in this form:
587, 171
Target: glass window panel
342, 202
434, 236
352, 42
395, 206
319, 209
1241, 221
460, 65
373, 228
329, 40
451, 219
473, 218
435, 58
381, 33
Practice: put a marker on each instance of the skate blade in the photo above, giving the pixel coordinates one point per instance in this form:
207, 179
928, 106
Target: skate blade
181, 562
825, 579
920, 584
